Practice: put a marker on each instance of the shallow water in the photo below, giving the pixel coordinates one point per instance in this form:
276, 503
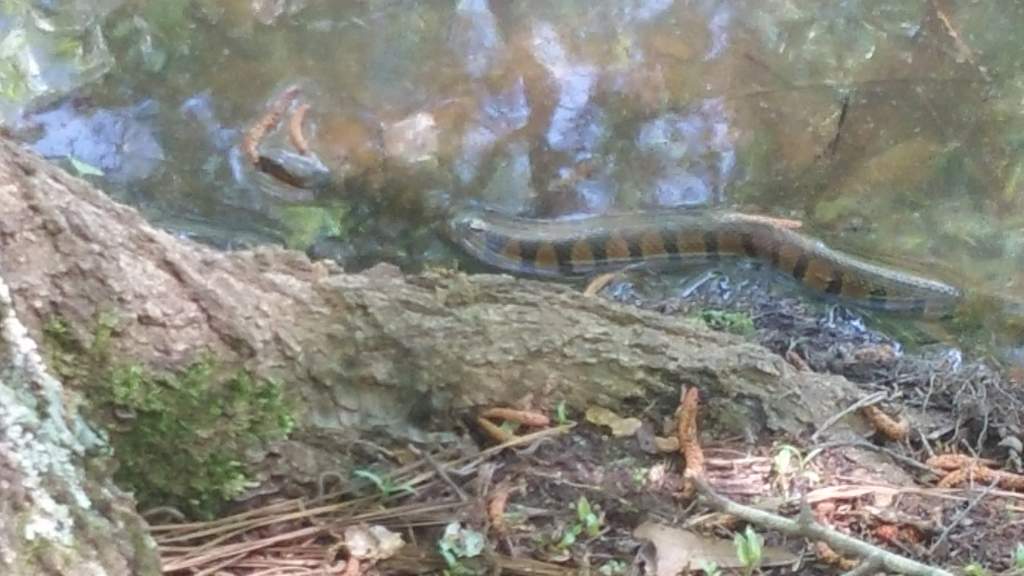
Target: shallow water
894, 130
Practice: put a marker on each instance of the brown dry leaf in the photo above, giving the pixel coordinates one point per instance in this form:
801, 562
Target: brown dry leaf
785, 223
667, 444
888, 426
496, 432
956, 461
689, 439
797, 361
983, 475
372, 542
295, 134
496, 505
524, 417
598, 283
829, 556
620, 426
270, 119
678, 550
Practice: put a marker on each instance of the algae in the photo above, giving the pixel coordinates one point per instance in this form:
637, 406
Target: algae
739, 323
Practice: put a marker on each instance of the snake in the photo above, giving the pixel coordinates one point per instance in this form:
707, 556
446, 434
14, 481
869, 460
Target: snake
580, 247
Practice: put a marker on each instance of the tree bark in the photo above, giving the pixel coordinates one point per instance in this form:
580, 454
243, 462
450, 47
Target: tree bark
370, 352
57, 516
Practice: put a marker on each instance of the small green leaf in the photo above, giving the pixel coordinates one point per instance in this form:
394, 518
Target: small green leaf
589, 519
561, 415
710, 568
787, 460
372, 477
975, 569
569, 536
612, 568
1018, 557
749, 546
583, 510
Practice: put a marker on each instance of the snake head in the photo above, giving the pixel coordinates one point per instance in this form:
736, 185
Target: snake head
466, 227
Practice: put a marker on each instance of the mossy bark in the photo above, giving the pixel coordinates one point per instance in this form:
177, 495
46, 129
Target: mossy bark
57, 515
377, 352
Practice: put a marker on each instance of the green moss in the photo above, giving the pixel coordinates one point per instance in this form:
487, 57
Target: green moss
733, 322
179, 437
307, 224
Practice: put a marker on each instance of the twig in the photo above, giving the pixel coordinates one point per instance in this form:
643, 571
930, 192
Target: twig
298, 139
869, 446
808, 528
222, 564
960, 517
784, 223
270, 119
866, 401
599, 282
440, 471
964, 51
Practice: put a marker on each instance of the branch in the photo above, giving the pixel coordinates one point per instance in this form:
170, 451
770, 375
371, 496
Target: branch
812, 530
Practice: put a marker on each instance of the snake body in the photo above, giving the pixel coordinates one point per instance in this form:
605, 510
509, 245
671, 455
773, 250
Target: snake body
566, 248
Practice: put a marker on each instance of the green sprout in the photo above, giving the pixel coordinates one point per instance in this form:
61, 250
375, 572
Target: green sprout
561, 414
749, 550
588, 522
385, 485
710, 568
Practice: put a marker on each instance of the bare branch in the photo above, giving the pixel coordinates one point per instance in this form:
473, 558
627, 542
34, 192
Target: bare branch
815, 531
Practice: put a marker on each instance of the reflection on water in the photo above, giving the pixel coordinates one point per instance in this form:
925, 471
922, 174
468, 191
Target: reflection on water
891, 130
693, 153
119, 141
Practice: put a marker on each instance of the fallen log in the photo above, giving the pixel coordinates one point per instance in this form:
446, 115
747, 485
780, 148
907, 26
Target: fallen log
350, 355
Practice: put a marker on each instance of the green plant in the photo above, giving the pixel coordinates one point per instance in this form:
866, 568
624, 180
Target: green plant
561, 414
385, 485
788, 460
588, 522
1018, 557
179, 437
457, 544
612, 568
710, 568
975, 569
188, 431
749, 549
733, 322
588, 518
639, 476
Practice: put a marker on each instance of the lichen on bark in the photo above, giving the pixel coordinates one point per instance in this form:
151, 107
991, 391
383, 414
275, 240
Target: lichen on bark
58, 517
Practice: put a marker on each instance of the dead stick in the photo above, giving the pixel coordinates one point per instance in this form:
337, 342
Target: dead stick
963, 514
866, 401
808, 528
440, 471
